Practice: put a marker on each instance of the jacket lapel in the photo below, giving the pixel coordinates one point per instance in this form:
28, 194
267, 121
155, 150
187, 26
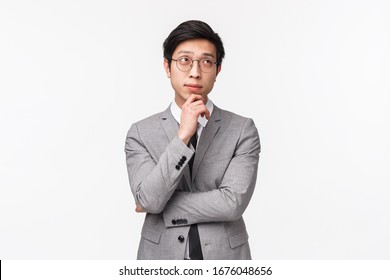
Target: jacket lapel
206, 137
169, 124
171, 127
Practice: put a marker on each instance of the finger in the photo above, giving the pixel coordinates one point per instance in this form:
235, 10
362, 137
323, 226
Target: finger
190, 99
196, 103
202, 111
194, 97
207, 114
199, 98
138, 208
198, 109
191, 108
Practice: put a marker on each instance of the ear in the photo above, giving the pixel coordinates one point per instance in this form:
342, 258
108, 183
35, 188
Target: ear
166, 67
219, 69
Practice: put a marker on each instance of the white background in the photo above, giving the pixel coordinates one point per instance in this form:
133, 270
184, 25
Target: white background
314, 76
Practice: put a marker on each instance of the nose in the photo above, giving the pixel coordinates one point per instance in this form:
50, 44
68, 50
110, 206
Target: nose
195, 70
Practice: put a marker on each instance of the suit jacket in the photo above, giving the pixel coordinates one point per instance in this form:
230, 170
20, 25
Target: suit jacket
223, 180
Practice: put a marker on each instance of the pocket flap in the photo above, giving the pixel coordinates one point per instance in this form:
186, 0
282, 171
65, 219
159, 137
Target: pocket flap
238, 239
151, 235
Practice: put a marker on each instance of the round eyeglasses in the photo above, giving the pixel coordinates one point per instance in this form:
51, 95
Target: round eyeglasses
184, 64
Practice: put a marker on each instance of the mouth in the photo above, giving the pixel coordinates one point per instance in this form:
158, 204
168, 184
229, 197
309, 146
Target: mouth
193, 87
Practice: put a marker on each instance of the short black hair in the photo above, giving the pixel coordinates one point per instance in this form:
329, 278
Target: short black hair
192, 29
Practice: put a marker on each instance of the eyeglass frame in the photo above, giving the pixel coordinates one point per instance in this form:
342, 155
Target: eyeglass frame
192, 63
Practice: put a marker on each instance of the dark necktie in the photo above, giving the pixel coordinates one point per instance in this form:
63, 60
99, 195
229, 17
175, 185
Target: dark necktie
193, 141
193, 235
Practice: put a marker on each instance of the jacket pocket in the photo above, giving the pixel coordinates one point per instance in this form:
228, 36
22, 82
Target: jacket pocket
238, 239
151, 235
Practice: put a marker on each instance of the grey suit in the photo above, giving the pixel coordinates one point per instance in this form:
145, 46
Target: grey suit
224, 177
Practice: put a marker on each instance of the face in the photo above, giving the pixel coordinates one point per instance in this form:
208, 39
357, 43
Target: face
194, 81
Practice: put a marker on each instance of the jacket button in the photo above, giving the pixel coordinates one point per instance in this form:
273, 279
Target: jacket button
180, 163
174, 222
177, 167
181, 238
184, 158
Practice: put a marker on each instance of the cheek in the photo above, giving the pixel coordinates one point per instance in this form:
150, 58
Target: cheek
210, 82
174, 75
175, 80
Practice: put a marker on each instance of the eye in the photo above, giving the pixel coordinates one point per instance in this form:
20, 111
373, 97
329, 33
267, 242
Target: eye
184, 60
207, 62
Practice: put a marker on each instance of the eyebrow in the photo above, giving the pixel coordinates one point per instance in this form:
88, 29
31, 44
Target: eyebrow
189, 52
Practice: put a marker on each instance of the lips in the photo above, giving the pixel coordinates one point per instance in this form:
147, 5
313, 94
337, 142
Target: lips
194, 88
193, 85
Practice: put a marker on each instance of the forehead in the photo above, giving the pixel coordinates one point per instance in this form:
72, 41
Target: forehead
196, 47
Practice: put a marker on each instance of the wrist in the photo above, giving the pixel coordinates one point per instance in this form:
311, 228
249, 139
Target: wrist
183, 137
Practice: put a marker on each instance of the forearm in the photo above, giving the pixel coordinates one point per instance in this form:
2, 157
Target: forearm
152, 183
228, 200
226, 203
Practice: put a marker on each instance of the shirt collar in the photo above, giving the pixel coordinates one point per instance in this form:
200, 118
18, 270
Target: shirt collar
176, 112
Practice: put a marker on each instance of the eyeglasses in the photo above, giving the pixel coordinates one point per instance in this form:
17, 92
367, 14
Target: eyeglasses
184, 64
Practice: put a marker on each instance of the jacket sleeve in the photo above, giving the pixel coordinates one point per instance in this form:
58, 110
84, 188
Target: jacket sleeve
230, 199
152, 183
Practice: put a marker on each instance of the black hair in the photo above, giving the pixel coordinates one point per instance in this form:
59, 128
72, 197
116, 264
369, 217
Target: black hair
192, 29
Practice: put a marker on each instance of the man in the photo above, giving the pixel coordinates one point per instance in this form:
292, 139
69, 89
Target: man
192, 168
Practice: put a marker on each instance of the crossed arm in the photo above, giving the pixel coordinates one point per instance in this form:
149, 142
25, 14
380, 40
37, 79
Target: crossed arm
153, 184
228, 201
